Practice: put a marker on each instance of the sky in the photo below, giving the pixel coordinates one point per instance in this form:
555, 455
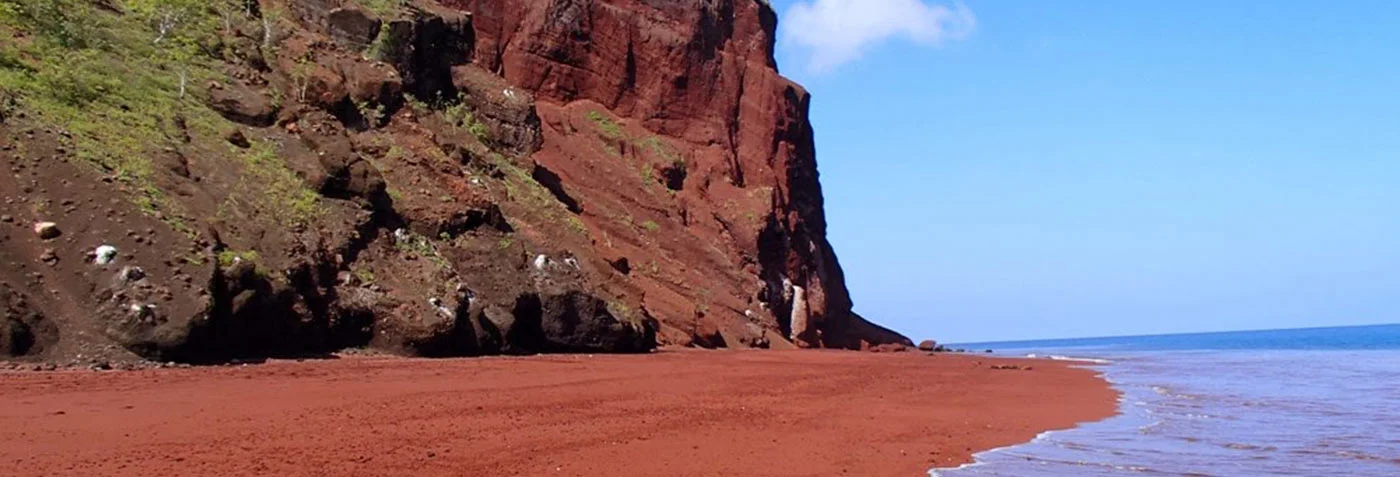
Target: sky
999, 170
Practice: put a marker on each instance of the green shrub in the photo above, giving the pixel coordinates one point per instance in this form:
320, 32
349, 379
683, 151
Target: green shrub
229, 257
267, 188
459, 115
606, 126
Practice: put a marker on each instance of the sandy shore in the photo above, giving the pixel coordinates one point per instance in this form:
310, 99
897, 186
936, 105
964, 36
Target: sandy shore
674, 413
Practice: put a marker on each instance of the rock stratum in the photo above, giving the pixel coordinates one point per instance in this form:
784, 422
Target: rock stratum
199, 182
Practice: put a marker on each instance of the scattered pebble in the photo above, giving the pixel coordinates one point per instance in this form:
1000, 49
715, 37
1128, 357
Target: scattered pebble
1011, 367
132, 273
236, 138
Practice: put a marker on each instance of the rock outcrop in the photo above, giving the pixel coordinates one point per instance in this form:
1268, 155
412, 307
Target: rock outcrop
438, 179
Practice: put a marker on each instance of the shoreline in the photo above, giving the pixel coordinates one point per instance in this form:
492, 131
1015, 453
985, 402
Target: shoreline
675, 412
1090, 364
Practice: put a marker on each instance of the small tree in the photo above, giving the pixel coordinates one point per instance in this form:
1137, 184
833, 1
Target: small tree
179, 26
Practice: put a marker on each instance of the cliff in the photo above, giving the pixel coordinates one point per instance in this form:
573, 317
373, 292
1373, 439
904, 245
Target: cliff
201, 182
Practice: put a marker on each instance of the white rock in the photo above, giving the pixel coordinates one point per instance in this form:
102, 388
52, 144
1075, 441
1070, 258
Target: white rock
444, 311
142, 309
572, 262
799, 321
46, 230
104, 254
540, 262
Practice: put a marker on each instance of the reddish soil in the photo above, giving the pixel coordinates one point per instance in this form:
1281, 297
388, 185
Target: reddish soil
672, 413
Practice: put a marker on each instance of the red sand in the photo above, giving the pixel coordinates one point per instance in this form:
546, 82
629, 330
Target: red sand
674, 413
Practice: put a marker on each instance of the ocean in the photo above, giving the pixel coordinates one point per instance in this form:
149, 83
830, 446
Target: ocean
1310, 402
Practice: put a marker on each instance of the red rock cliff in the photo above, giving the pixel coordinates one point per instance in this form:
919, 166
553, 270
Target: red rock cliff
704, 74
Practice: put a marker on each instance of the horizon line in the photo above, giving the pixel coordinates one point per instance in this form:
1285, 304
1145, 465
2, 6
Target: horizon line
1189, 333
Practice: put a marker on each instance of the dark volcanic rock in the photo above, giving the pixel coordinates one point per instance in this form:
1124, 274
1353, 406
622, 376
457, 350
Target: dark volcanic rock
575, 322
247, 316
508, 112
426, 47
352, 27
23, 331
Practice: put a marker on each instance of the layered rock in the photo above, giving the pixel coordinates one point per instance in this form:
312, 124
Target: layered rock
703, 73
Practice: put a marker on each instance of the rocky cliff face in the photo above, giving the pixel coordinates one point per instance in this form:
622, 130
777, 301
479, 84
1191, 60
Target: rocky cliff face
470, 177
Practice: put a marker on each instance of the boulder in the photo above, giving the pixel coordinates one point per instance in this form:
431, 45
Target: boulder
352, 27
571, 321
244, 315
889, 348
241, 104
499, 324
351, 176
334, 168
928, 345
707, 334
473, 217
426, 47
507, 112
16, 339
430, 331
361, 94
238, 139
23, 330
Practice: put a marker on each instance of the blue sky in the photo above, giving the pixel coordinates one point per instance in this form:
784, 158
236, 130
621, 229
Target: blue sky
1018, 170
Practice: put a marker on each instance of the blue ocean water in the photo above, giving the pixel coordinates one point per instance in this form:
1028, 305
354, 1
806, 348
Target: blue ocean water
1312, 402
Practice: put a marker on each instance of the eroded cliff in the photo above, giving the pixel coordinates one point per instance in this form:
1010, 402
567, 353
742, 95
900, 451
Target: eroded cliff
249, 179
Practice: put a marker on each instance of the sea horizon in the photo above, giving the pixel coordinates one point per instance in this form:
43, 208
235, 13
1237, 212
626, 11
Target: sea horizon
1117, 339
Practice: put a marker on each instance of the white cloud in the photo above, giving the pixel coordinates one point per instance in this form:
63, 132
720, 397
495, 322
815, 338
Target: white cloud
833, 32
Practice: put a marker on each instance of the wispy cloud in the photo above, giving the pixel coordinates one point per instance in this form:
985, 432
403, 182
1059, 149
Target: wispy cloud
830, 33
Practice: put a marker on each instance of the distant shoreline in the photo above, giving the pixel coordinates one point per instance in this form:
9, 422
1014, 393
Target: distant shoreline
676, 412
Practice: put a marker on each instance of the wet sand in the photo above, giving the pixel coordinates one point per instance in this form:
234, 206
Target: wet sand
673, 413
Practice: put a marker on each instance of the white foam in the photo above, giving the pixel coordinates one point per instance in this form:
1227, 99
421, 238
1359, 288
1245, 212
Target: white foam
1086, 360
1056, 357
977, 459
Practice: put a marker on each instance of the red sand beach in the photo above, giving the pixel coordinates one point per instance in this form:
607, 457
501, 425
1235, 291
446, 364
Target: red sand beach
674, 413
